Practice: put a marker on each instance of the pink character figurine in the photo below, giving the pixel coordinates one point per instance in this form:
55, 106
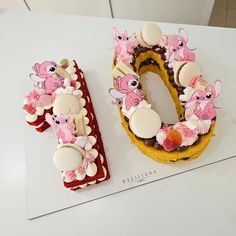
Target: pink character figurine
127, 91
201, 102
63, 126
45, 76
177, 48
123, 45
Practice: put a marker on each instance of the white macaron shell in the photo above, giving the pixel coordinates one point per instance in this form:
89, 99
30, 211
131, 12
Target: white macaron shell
176, 69
145, 123
65, 104
187, 72
151, 34
67, 158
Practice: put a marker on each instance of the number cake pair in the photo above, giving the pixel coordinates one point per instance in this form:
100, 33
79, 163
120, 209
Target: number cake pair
60, 99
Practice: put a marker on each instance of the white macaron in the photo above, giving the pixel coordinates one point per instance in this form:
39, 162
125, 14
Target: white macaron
150, 35
68, 157
184, 72
145, 123
65, 104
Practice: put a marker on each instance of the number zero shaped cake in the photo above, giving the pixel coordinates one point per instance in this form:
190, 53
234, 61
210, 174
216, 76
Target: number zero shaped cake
60, 99
174, 62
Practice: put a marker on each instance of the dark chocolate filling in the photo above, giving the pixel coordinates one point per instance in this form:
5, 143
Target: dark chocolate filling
178, 72
149, 61
151, 142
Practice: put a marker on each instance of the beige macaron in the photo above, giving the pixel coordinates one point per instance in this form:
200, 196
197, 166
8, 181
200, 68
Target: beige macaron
150, 35
145, 123
184, 72
65, 104
68, 157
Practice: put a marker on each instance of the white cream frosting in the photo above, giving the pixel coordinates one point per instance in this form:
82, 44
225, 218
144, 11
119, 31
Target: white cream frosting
74, 77
92, 182
48, 106
71, 63
31, 118
91, 170
39, 111
128, 113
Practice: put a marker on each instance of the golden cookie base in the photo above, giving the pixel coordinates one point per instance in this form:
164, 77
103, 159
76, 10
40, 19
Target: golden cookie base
163, 156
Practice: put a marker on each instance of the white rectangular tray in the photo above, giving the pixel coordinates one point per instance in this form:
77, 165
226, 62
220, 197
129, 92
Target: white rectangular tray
128, 166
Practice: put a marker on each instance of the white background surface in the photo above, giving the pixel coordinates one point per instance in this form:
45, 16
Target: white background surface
200, 202
181, 11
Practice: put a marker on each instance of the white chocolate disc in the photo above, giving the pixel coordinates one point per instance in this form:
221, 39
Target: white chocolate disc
65, 104
185, 71
145, 123
67, 158
151, 34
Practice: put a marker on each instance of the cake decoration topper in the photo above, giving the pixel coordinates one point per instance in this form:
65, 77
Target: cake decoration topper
46, 77
127, 90
177, 47
63, 126
201, 101
123, 45
60, 99
193, 96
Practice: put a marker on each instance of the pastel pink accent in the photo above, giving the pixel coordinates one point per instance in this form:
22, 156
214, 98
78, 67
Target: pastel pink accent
89, 158
70, 174
177, 48
33, 95
123, 46
39, 98
201, 102
128, 86
29, 108
188, 135
63, 126
47, 71
196, 80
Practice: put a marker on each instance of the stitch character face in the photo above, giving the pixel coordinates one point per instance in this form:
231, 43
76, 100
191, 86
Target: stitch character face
123, 45
177, 48
120, 38
45, 76
63, 126
127, 84
201, 102
45, 69
126, 88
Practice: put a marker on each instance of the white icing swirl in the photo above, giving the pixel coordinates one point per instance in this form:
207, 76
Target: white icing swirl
31, 118
39, 111
91, 170
128, 113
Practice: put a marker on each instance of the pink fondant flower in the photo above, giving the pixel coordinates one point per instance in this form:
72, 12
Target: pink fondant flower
45, 99
189, 135
89, 158
82, 169
33, 95
29, 108
196, 80
70, 175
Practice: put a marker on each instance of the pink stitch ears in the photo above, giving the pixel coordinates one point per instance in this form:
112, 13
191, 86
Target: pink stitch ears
183, 35
115, 33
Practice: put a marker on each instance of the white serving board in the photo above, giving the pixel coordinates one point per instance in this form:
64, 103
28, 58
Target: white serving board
128, 166
88, 41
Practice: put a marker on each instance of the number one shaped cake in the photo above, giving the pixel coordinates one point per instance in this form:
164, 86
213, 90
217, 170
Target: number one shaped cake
60, 99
